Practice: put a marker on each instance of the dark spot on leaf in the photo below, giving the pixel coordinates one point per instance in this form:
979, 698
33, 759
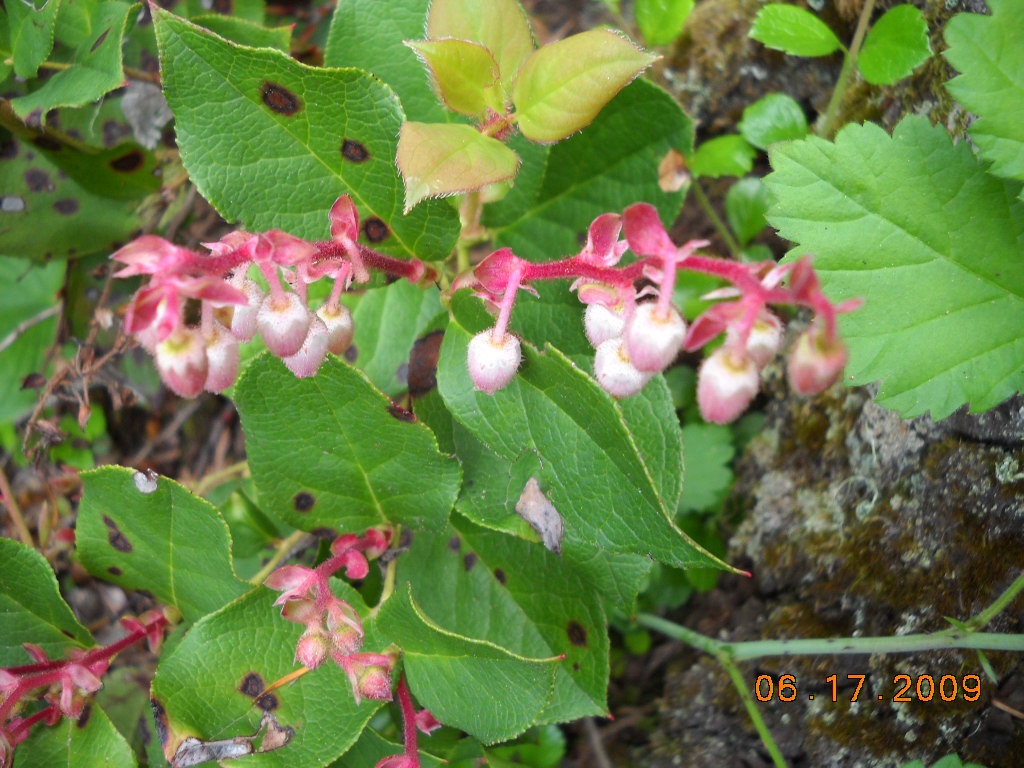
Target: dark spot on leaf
66, 206
74, 133
352, 353
45, 142
354, 152
100, 39
454, 544
33, 381
405, 540
304, 501
117, 539
400, 413
500, 576
280, 99
114, 570
53, 119
252, 685
577, 633
83, 719
8, 150
38, 180
268, 702
575, 667
12, 204
375, 229
160, 719
469, 560
423, 363
224, 6
128, 162
34, 119
113, 132
325, 534
67, 634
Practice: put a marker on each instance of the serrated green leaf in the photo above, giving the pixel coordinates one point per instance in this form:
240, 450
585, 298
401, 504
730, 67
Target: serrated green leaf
387, 322
500, 26
896, 44
352, 462
562, 86
263, 140
916, 227
200, 683
84, 743
987, 51
728, 155
253, 11
793, 30
371, 748
478, 686
775, 117
463, 72
167, 541
745, 205
709, 451
32, 609
614, 163
97, 66
438, 159
491, 586
585, 449
661, 21
245, 32
31, 34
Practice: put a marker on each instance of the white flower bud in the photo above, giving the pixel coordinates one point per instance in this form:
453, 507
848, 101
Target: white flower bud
726, 384
306, 362
602, 323
283, 326
615, 372
492, 364
181, 361
223, 358
340, 328
653, 340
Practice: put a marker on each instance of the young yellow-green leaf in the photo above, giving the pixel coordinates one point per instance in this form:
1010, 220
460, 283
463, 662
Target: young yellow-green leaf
151, 533
209, 684
32, 609
895, 46
88, 742
988, 52
332, 451
438, 159
272, 143
745, 205
486, 690
96, 66
730, 155
932, 242
562, 86
775, 117
464, 73
500, 26
518, 595
661, 21
31, 34
793, 30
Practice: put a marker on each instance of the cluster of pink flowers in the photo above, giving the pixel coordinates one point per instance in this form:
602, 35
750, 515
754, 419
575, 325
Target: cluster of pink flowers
233, 307
634, 340
65, 684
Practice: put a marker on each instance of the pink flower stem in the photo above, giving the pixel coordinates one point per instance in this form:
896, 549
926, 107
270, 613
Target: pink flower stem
412, 270
576, 267
28, 722
206, 319
408, 722
666, 289
269, 271
508, 300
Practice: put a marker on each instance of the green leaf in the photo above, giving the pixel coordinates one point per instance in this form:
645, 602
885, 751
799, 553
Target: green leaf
266, 140
793, 30
96, 66
31, 34
76, 744
585, 449
745, 205
165, 540
352, 461
563, 86
895, 46
562, 188
209, 682
371, 748
463, 73
728, 155
246, 32
987, 51
661, 21
709, 453
500, 26
438, 159
488, 691
775, 117
26, 292
32, 609
494, 587
916, 227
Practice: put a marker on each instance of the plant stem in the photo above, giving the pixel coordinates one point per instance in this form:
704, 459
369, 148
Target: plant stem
997, 606
826, 127
284, 546
408, 721
720, 226
212, 480
755, 714
7, 496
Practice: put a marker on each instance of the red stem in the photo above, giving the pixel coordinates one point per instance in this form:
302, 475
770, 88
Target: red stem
408, 722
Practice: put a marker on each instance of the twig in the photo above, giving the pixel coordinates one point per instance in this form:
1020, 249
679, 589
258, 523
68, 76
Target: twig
14, 511
601, 758
720, 226
24, 325
826, 128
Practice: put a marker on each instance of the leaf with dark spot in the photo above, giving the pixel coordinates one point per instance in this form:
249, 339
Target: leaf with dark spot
577, 633
375, 230
354, 152
304, 501
252, 685
114, 571
454, 544
422, 372
160, 720
352, 353
469, 560
45, 142
400, 413
66, 206
117, 539
267, 702
83, 719
279, 99
38, 180
500, 576
128, 162
100, 39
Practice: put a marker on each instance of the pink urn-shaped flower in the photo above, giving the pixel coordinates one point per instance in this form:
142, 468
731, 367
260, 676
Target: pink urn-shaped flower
726, 384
